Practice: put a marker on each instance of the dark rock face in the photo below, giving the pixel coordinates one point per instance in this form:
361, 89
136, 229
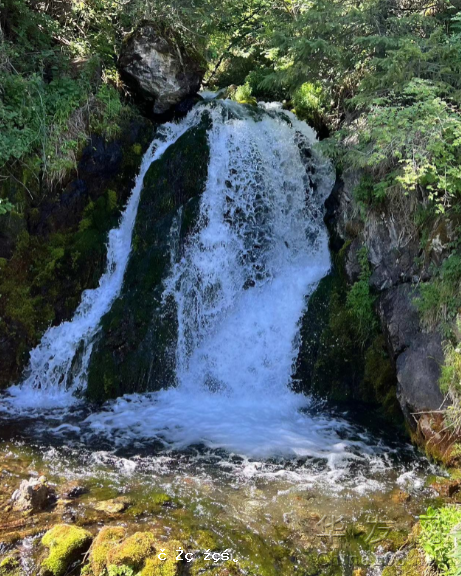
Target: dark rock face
399, 317
399, 263
418, 355
159, 68
418, 371
135, 351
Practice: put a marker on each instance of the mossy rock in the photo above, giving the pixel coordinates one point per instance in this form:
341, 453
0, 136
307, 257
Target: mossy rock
56, 248
153, 566
9, 566
135, 351
133, 551
334, 362
66, 545
107, 539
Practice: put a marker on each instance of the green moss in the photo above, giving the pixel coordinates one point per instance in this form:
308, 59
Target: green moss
170, 567
108, 538
343, 356
133, 551
66, 544
9, 566
390, 571
414, 564
56, 255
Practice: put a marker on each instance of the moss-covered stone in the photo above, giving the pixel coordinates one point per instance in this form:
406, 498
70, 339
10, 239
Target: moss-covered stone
107, 539
133, 551
66, 545
9, 566
334, 362
135, 351
170, 566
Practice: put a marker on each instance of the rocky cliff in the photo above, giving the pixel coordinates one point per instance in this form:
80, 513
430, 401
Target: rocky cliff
401, 259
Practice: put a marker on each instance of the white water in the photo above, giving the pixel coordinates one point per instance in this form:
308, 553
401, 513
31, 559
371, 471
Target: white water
258, 251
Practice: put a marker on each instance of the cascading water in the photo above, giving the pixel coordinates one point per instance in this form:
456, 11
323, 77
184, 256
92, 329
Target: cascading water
258, 250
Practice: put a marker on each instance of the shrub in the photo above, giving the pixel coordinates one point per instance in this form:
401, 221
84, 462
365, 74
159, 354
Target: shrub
437, 538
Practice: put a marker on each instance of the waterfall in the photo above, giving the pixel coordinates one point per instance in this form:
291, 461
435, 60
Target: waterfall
257, 252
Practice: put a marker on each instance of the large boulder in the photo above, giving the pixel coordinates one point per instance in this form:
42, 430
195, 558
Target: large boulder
159, 68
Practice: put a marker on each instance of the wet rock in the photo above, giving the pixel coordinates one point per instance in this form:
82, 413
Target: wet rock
159, 68
135, 349
67, 545
418, 372
33, 495
139, 553
114, 505
398, 262
400, 496
446, 487
418, 355
73, 489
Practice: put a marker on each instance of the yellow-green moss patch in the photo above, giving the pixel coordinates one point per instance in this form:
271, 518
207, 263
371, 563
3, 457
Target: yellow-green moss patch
106, 540
66, 544
9, 566
168, 567
133, 551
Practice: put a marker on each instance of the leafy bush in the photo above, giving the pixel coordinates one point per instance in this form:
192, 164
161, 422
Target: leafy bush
414, 141
438, 529
308, 102
243, 95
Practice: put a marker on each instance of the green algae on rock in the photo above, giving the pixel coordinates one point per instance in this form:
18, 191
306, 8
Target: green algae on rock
10, 566
66, 545
133, 551
109, 537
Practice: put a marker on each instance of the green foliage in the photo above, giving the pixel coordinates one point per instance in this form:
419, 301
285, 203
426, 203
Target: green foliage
360, 301
5, 207
416, 139
243, 94
440, 298
437, 537
53, 87
308, 102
